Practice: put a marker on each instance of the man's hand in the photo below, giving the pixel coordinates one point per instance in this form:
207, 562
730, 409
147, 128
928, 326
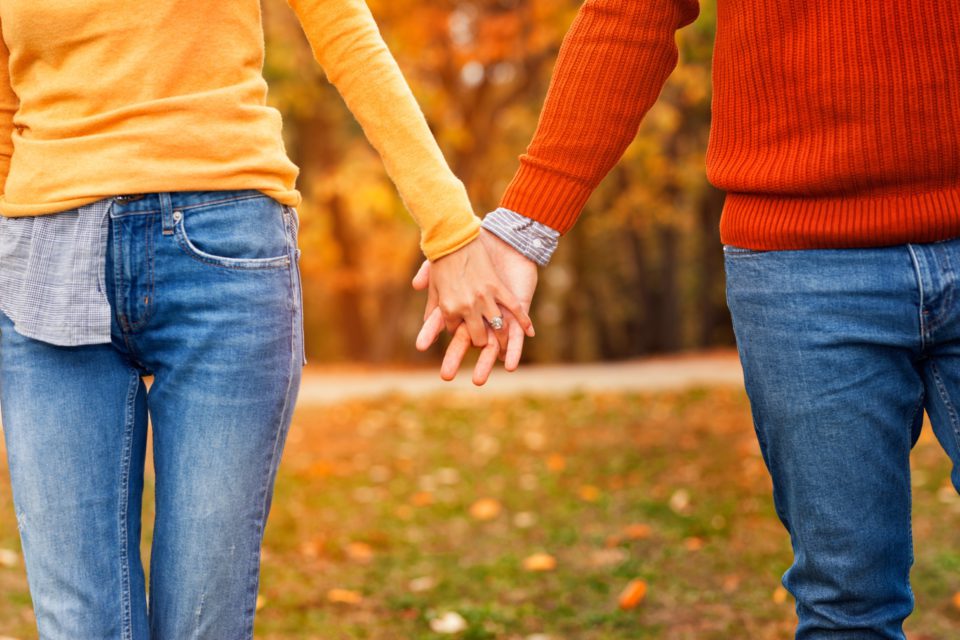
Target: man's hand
519, 275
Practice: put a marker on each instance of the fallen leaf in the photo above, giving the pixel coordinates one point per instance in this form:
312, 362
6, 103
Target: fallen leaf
540, 562
556, 463
360, 552
731, 583
449, 623
524, 519
637, 531
485, 509
422, 498
693, 544
344, 596
421, 584
312, 548
956, 600
589, 493
608, 557
9, 558
779, 595
680, 501
633, 594
261, 601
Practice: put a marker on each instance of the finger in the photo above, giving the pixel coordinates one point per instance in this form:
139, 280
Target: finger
491, 311
430, 330
514, 347
477, 328
422, 279
486, 361
510, 302
456, 351
432, 302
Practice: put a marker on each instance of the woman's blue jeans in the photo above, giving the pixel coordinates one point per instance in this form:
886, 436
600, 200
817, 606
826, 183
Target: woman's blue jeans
205, 293
842, 352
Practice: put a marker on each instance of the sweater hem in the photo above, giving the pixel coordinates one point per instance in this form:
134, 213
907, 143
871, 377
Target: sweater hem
769, 223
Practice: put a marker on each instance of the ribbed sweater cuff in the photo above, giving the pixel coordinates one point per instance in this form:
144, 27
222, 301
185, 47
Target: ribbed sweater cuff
547, 196
767, 222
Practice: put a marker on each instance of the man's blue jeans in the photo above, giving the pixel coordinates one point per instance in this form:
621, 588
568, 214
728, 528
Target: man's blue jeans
205, 293
842, 352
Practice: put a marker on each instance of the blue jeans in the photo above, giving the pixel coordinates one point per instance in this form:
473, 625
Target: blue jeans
842, 352
205, 293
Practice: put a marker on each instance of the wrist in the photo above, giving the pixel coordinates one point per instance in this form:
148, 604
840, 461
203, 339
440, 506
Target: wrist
531, 239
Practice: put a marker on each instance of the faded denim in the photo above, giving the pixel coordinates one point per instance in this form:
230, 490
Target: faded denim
842, 351
206, 296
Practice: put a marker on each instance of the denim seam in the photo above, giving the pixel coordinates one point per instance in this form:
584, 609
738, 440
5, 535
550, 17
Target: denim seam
149, 306
948, 293
265, 493
917, 410
241, 264
124, 506
120, 294
919, 275
945, 398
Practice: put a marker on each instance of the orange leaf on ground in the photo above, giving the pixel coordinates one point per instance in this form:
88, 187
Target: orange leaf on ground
344, 596
637, 531
485, 509
422, 498
779, 595
589, 493
540, 562
693, 544
956, 600
360, 551
633, 594
556, 462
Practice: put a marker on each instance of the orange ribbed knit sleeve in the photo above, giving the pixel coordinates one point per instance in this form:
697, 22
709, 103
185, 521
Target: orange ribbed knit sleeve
8, 106
611, 68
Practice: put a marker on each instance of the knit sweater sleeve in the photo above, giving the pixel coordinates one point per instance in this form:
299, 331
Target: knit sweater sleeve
611, 68
347, 44
8, 106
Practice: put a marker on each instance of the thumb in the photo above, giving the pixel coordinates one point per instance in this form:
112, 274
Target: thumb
422, 280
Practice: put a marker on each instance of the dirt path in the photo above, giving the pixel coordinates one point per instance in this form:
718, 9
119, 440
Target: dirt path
326, 385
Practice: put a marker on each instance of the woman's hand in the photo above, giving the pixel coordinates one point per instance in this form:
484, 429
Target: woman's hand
463, 287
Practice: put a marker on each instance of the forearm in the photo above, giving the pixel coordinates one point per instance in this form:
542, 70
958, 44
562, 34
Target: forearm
611, 68
348, 45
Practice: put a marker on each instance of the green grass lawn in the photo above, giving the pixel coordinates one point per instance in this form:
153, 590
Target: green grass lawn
418, 508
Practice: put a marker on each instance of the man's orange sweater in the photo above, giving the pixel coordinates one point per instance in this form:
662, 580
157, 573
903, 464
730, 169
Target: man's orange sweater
835, 123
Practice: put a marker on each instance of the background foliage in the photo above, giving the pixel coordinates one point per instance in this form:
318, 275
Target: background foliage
642, 271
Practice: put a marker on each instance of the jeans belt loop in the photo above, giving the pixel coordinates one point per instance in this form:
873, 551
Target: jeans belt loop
166, 213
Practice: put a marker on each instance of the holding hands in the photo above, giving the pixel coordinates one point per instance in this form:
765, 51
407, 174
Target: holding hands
481, 294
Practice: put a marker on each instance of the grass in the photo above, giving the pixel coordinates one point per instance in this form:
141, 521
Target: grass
380, 499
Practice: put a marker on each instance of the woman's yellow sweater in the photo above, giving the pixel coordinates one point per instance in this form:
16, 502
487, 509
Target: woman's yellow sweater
107, 97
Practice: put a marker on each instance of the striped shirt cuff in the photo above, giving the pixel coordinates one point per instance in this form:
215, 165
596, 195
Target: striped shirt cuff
532, 239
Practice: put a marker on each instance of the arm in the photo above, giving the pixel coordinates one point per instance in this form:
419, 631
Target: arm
347, 44
611, 68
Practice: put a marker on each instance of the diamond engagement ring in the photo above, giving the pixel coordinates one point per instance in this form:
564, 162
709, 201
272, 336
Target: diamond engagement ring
496, 323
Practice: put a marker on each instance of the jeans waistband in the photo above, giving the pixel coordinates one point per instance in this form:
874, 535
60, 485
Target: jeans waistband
157, 202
